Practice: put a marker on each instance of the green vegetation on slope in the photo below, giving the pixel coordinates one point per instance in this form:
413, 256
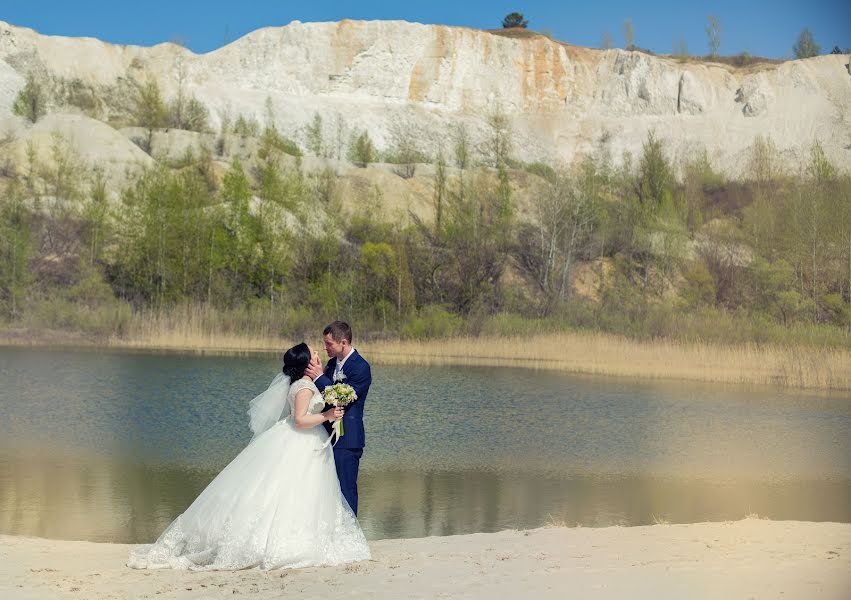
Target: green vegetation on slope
646, 248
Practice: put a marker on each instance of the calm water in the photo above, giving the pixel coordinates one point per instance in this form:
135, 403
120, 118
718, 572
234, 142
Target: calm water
112, 446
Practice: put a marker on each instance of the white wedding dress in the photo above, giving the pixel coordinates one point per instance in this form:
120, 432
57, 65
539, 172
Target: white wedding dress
276, 505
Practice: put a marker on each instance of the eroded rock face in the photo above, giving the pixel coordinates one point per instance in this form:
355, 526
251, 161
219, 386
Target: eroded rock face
388, 76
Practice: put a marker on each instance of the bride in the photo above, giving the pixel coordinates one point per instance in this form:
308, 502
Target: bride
278, 503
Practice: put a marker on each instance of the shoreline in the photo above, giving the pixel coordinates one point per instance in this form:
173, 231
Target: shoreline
742, 559
593, 354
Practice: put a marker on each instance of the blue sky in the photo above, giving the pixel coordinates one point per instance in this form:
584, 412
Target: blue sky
762, 28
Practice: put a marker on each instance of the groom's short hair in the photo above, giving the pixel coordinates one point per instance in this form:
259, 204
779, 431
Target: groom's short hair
339, 330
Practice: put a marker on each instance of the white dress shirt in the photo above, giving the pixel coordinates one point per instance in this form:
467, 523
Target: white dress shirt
338, 369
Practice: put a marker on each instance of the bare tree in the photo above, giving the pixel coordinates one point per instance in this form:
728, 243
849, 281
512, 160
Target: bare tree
462, 147
629, 34
499, 144
180, 74
713, 33
563, 223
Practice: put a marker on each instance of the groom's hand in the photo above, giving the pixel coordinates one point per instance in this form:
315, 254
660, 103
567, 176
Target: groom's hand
313, 370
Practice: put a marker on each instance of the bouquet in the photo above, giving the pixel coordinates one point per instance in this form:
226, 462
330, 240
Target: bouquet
339, 394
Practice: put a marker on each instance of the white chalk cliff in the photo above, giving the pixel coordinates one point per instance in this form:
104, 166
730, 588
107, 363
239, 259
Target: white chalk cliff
562, 100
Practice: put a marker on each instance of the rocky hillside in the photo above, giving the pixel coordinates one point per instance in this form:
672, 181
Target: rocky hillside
562, 101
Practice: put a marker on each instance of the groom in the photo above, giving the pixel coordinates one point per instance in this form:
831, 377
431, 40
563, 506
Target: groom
346, 366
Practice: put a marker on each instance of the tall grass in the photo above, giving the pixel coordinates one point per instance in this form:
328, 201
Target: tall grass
504, 341
606, 354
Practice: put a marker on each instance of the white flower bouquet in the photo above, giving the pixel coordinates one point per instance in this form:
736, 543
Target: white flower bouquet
339, 394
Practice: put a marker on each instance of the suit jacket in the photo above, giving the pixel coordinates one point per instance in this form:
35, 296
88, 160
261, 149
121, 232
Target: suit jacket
358, 375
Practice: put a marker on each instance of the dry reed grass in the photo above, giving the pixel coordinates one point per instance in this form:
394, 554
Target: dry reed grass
603, 354
803, 367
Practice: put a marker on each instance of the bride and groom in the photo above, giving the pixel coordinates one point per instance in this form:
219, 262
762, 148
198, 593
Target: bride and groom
289, 499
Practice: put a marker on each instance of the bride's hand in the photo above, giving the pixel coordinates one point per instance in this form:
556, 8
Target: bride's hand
334, 414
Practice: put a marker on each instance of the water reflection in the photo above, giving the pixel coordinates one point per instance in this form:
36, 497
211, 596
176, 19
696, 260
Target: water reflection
101, 500
111, 447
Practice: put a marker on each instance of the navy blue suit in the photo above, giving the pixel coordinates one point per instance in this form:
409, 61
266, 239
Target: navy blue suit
349, 448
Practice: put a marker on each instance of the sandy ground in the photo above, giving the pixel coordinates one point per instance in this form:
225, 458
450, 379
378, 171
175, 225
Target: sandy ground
752, 558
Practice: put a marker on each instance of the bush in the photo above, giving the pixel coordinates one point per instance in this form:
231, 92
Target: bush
512, 325
361, 150
433, 322
31, 101
540, 169
246, 126
192, 116
107, 319
151, 112
272, 138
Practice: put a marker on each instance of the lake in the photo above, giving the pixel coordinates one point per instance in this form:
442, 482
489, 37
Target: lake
111, 446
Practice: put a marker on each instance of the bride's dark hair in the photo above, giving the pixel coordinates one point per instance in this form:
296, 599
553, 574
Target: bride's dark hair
296, 360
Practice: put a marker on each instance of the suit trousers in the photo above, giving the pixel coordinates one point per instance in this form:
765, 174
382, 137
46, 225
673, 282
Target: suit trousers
347, 461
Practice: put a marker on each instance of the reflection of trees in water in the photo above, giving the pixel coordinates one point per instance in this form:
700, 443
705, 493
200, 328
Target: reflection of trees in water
402, 504
99, 500
92, 498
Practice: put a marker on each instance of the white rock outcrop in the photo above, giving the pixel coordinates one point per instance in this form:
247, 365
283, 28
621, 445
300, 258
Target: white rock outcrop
562, 101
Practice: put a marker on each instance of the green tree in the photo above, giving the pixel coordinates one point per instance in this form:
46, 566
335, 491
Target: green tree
713, 35
805, 46
151, 112
242, 230
15, 250
699, 289
165, 231
514, 19
608, 42
96, 215
248, 126
361, 150
655, 175
31, 101
273, 139
190, 114
378, 261
313, 132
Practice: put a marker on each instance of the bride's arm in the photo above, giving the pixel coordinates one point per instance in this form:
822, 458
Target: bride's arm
305, 421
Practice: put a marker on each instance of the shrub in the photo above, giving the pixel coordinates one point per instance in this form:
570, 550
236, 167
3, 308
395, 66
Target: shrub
272, 138
514, 19
246, 126
361, 150
31, 101
433, 322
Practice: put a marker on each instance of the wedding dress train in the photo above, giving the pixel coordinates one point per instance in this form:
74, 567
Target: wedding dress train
276, 505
